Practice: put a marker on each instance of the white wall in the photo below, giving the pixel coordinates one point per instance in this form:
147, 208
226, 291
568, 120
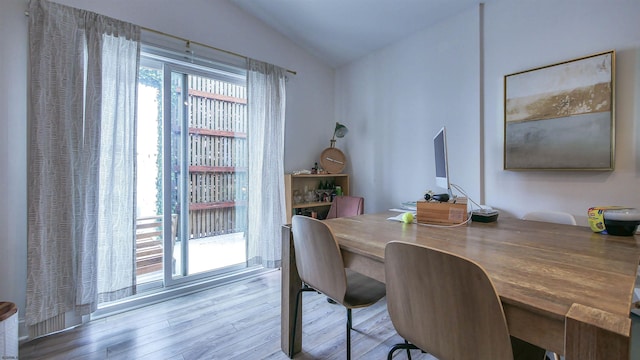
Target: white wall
13, 152
216, 23
527, 34
395, 100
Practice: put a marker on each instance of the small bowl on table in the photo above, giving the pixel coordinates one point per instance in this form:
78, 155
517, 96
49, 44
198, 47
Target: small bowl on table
621, 222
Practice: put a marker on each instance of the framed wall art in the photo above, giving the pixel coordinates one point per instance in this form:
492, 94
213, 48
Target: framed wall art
561, 116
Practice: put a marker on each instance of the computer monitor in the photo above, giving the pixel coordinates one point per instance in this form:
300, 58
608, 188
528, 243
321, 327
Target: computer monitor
442, 167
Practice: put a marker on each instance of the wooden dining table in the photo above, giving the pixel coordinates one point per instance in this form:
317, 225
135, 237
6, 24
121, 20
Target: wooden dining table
563, 287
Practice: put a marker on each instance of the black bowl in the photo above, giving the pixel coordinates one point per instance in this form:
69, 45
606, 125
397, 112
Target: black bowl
621, 228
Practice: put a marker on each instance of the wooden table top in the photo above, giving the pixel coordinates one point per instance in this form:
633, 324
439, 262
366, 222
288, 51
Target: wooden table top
542, 266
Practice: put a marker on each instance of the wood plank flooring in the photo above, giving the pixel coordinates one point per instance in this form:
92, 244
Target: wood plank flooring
235, 321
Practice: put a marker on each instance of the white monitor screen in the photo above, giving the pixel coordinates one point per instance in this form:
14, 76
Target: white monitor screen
440, 152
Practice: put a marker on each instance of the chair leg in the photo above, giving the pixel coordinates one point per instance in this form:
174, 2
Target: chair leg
406, 345
349, 334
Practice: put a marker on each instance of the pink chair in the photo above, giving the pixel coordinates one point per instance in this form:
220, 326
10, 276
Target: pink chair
346, 206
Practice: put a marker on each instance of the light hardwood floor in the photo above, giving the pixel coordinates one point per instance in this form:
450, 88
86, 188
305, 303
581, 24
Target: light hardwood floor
235, 321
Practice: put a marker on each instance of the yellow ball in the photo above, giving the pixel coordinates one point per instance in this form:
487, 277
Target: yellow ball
407, 218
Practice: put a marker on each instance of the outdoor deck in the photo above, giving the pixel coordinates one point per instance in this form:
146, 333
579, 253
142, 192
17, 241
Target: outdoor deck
206, 254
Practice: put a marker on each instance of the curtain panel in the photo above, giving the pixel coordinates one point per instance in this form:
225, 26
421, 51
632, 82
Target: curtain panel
81, 175
267, 213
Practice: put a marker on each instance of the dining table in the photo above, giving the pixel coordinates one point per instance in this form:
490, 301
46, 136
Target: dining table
564, 288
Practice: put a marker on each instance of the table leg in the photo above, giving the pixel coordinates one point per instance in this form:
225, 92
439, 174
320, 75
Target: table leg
593, 334
290, 284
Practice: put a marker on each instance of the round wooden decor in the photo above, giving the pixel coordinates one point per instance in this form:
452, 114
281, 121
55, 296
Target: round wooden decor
333, 160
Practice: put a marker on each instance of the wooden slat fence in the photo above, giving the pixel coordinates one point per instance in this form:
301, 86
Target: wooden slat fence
218, 177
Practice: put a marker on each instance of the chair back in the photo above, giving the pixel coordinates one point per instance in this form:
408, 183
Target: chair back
346, 206
444, 304
556, 217
318, 257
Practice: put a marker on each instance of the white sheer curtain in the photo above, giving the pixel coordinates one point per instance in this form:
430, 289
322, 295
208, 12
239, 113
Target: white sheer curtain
266, 106
81, 175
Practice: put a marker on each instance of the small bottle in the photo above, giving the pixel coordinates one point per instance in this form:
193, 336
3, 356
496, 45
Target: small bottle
314, 169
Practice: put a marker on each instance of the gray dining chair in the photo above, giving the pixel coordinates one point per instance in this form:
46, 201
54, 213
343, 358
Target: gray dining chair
343, 206
321, 269
446, 305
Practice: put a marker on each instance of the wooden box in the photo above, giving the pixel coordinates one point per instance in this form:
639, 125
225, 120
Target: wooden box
442, 213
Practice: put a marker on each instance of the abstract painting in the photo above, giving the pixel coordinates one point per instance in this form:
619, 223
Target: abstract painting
561, 116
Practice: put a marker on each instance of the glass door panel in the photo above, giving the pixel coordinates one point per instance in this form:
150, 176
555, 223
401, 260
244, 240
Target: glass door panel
208, 174
149, 200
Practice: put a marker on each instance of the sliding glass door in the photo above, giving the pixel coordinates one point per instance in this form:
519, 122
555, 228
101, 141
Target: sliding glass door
192, 171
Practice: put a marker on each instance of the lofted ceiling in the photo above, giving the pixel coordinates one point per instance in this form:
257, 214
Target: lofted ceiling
340, 31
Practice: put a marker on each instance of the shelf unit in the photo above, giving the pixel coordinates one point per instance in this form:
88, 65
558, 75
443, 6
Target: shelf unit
299, 182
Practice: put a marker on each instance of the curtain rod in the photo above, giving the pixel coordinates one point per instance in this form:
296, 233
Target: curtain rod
205, 45
26, 13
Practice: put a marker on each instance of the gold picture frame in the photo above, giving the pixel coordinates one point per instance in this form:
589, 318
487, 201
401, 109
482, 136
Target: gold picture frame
561, 116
